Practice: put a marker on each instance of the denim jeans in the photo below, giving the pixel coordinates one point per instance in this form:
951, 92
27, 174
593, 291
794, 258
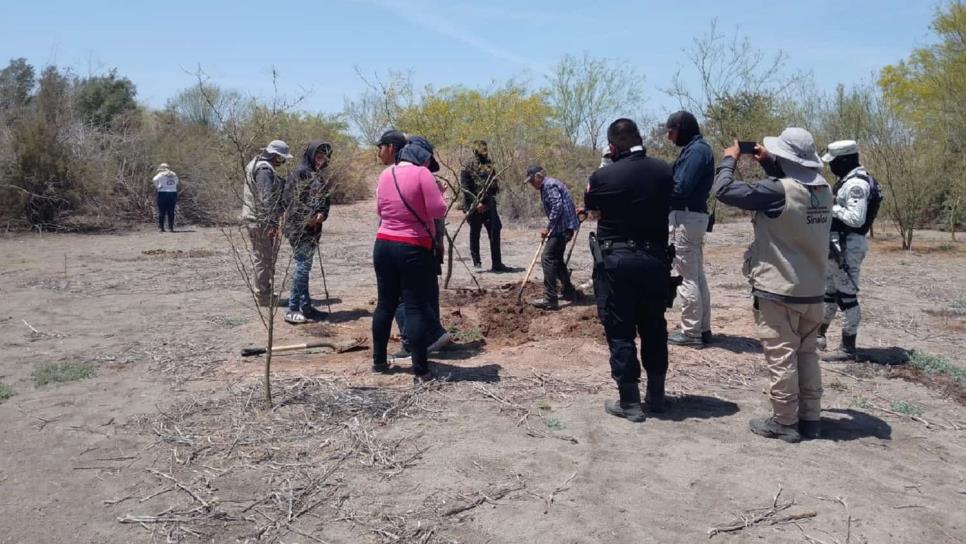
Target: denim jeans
436, 329
404, 273
302, 257
166, 203
554, 268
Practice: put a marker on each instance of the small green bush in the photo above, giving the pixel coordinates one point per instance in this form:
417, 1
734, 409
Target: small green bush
553, 424
62, 373
906, 408
5, 392
936, 364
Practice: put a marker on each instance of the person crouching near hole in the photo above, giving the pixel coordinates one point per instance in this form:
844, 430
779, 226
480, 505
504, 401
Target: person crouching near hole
562, 222
306, 201
408, 200
785, 265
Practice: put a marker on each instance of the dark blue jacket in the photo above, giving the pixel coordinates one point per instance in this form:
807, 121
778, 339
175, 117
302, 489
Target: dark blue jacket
693, 176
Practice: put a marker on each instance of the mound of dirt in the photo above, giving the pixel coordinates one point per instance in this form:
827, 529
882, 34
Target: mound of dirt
504, 321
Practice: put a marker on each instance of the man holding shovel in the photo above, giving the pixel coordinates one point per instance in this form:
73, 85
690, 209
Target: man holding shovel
562, 222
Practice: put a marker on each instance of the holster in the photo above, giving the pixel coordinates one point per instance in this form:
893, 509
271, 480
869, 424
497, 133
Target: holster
595, 253
675, 281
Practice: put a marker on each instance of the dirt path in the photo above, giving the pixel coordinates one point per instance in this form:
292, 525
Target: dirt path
169, 435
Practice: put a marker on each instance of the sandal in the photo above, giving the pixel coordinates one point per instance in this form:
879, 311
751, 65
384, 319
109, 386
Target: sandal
294, 318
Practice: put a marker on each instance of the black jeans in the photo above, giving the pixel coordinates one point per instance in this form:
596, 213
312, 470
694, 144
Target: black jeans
553, 264
166, 203
407, 273
631, 288
490, 220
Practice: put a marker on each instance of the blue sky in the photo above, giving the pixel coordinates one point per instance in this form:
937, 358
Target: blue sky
317, 46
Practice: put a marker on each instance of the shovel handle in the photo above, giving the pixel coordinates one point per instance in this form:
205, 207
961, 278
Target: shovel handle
530, 270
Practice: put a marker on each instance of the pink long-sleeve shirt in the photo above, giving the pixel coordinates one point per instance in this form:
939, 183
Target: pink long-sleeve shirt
422, 193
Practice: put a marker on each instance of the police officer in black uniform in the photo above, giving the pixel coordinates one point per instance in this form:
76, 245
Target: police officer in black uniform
631, 272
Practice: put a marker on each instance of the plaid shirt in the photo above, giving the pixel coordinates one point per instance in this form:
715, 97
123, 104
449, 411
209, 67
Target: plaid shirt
559, 206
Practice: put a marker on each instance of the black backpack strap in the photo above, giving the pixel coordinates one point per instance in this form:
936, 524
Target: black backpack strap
410, 208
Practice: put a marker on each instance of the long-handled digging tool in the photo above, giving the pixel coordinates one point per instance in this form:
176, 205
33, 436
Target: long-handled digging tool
530, 270
325, 285
355, 344
581, 216
573, 244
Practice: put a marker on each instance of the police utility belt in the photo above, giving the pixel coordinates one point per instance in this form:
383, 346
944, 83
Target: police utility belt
598, 249
633, 245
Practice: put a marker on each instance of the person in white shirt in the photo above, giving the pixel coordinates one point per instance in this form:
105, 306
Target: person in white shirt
166, 182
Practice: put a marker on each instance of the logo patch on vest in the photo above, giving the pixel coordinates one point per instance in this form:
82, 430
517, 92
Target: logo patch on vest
816, 214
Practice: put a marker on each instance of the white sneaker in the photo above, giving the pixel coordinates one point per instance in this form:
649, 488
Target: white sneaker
444, 340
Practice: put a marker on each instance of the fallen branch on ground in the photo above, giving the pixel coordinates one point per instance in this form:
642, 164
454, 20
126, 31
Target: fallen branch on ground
751, 518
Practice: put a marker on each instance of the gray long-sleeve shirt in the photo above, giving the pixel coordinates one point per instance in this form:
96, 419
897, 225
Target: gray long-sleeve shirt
765, 195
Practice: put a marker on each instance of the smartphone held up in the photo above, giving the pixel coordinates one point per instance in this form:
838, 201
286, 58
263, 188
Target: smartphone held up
747, 148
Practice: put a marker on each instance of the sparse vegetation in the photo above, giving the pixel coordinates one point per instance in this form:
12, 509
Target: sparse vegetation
905, 408
5, 392
936, 364
62, 373
467, 336
553, 424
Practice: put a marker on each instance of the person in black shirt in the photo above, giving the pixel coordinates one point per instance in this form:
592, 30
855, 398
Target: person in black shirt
632, 282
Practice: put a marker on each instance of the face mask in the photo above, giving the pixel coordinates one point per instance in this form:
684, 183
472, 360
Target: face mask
840, 167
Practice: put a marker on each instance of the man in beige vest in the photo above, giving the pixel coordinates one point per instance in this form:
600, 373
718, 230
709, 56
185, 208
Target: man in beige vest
785, 265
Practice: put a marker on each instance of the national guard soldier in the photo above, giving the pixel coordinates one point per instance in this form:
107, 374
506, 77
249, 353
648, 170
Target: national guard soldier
631, 267
857, 199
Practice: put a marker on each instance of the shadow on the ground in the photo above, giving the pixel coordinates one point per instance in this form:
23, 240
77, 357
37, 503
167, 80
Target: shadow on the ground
488, 373
344, 316
883, 356
735, 344
458, 350
682, 407
852, 425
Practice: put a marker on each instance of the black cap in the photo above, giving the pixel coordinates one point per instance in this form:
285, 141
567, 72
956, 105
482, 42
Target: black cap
533, 170
394, 138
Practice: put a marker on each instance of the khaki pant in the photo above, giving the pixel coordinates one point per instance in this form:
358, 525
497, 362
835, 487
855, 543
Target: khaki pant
787, 333
264, 240
687, 231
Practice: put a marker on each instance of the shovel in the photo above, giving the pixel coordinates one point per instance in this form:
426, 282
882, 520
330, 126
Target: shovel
530, 270
351, 346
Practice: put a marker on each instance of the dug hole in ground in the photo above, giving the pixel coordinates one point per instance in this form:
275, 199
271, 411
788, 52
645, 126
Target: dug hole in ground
153, 428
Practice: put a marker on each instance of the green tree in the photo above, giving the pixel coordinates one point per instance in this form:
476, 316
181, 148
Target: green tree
201, 104
928, 91
16, 84
587, 92
100, 99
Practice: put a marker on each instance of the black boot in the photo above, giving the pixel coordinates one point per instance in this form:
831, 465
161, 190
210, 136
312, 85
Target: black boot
821, 340
654, 398
629, 405
846, 351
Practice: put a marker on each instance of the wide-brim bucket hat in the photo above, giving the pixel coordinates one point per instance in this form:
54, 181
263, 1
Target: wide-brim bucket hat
796, 145
280, 148
803, 174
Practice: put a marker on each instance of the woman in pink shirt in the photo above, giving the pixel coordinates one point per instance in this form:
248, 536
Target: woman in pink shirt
408, 199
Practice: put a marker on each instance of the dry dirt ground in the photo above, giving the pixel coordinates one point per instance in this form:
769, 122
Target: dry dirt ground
170, 441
